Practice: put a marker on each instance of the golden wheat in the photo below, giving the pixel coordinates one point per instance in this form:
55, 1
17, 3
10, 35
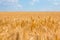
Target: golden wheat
15, 28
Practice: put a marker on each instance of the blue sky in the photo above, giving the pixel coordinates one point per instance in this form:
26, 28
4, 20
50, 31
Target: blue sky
29, 5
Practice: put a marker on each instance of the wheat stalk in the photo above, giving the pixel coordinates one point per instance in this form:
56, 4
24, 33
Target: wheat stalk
45, 28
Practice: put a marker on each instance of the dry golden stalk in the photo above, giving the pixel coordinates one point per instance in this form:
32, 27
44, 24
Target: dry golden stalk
35, 28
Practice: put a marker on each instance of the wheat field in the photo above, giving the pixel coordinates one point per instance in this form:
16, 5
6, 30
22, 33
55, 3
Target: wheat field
29, 25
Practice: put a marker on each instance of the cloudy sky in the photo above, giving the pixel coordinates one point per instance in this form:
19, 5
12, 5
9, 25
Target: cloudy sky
29, 5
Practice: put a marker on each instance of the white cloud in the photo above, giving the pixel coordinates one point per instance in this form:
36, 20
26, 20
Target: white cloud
19, 6
52, 0
55, 3
33, 2
11, 3
10, 0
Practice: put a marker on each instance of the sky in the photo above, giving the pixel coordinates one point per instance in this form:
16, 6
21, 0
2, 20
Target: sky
29, 5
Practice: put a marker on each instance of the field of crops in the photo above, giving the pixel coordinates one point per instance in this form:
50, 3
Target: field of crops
29, 26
